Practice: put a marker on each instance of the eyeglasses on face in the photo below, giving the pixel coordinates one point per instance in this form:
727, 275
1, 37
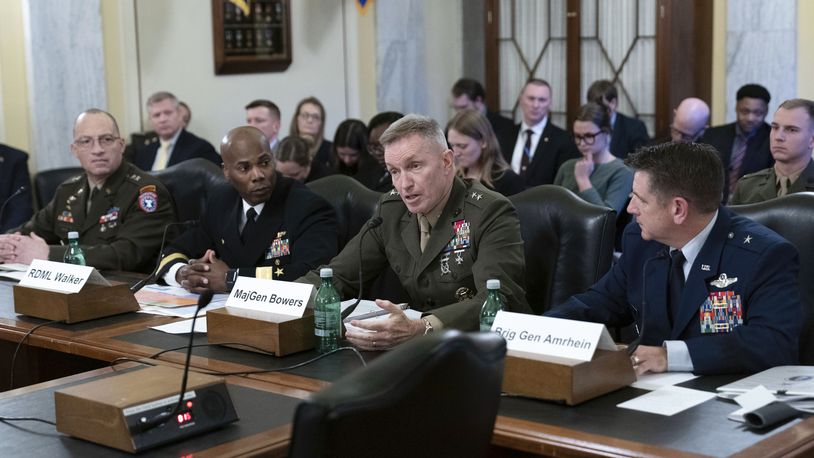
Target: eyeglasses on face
686, 137
86, 143
310, 116
588, 139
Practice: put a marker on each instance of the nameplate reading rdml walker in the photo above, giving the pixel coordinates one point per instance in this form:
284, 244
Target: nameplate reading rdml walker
557, 337
58, 276
274, 296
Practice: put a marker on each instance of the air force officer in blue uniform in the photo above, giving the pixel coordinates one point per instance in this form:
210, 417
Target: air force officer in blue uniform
732, 304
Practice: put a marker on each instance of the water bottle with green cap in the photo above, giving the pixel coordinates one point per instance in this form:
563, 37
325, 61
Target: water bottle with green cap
327, 313
74, 254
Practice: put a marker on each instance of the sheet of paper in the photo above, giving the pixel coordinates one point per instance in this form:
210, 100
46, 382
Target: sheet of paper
183, 327
165, 296
668, 400
794, 380
651, 381
13, 275
753, 399
218, 301
14, 267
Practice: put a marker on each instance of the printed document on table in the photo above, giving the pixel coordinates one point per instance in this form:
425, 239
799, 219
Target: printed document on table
668, 400
792, 380
653, 381
183, 327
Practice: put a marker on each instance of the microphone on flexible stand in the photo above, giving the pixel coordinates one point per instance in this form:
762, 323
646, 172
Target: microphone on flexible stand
372, 223
203, 300
640, 331
143, 282
8, 199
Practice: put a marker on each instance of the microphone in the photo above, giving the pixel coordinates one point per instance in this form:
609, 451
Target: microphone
371, 223
8, 199
661, 254
143, 282
203, 300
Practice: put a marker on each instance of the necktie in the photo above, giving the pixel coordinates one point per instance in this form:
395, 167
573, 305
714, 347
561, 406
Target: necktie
162, 156
424, 228
251, 222
785, 184
94, 191
735, 165
524, 161
676, 282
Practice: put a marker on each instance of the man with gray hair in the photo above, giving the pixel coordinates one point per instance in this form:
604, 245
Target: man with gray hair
171, 143
443, 237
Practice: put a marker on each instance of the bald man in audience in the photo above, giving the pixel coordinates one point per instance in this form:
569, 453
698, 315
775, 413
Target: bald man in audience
261, 224
690, 120
791, 141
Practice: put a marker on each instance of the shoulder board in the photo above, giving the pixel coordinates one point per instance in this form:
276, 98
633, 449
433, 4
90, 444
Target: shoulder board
391, 196
478, 194
759, 173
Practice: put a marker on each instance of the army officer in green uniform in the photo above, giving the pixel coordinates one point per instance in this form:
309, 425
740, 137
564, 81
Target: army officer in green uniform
443, 236
119, 211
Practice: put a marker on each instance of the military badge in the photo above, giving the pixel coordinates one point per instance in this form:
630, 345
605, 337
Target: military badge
460, 240
66, 217
721, 312
278, 248
112, 215
148, 200
463, 293
723, 281
445, 264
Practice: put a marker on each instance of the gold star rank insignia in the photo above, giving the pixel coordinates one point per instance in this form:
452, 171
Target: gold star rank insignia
279, 272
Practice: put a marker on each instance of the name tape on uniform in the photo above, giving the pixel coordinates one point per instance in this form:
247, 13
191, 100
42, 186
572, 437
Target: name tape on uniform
56, 276
546, 336
273, 296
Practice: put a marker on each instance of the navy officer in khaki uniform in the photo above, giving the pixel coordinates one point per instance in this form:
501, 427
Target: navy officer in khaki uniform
260, 224
443, 237
119, 211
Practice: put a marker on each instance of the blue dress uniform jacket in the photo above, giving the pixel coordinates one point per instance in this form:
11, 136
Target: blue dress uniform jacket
13, 176
122, 230
296, 232
448, 279
760, 266
188, 146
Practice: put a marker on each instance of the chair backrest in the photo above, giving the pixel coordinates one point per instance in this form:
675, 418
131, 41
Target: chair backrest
47, 182
792, 217
568, 243
189, 184
445, 387
353, 202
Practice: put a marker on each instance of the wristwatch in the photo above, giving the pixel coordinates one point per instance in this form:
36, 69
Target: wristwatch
427, 326
231, 278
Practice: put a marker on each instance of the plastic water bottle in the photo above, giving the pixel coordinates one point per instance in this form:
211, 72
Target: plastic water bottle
492, 305
327, 313
74, 254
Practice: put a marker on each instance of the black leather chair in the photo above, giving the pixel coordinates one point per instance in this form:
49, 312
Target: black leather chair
47, 182
189, 184
792, 217
434, 396
353, 202
568, 243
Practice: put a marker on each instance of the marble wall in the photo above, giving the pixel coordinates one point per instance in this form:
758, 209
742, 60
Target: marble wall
761, 47
66, 73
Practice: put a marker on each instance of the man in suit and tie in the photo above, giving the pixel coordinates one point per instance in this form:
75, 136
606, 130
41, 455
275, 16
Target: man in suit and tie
792, 140
15, 188
172, 143
265, 115
260, 224
540, 147
469, 93
628, 133
743, 144
710, 292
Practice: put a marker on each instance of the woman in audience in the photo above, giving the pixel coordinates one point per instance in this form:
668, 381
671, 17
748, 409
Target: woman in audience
309, 122
598, 177
350, 147
294, 160
477, 153
375, 176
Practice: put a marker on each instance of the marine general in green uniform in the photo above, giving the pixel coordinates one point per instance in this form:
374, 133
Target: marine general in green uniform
443, 236
119, 211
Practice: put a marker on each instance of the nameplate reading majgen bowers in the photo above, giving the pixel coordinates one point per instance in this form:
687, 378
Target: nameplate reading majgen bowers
273, 296
60, 277
544, 336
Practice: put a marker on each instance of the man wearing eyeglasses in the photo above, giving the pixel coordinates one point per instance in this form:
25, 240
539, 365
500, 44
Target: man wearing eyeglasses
119, 211
690, 120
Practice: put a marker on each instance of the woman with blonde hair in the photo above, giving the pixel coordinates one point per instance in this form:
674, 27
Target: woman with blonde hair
598, 177
477, 154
